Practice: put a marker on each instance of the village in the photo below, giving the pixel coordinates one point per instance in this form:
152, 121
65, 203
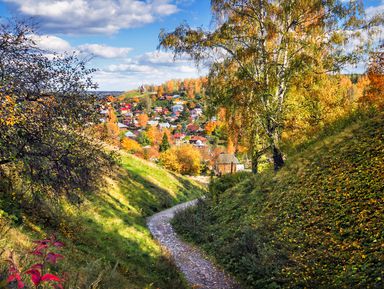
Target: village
148, 121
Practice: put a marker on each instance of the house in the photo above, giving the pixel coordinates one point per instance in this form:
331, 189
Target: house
164, 125
124, 110
198, 141
130, 134
158, 109
153, 122
196, 112
227, 164
177, 108
122, 126
192, 127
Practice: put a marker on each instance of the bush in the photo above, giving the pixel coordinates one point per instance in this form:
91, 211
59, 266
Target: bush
184, 159
131, 145
220, 185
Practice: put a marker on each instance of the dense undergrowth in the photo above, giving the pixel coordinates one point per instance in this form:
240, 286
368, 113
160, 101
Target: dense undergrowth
107, 243
317, 223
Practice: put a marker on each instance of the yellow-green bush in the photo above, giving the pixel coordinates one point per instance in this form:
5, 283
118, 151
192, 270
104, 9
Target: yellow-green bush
184, 159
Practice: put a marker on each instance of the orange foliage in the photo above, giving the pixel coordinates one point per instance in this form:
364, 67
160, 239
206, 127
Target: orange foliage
185, 159
142, 119
131, 145
160, 91
230, 147
170, 86
154, 135
110, 98
374, 95
210, 127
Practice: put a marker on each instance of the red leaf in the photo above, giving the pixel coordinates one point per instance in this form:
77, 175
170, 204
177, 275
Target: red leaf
52, 257
37, 266
42, 242
15, 277
58, 244
35, 276
20, 284
50, 277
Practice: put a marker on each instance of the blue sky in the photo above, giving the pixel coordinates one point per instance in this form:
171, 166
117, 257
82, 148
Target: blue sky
121, 34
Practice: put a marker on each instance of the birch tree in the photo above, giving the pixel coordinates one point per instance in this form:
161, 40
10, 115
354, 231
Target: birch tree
271, 42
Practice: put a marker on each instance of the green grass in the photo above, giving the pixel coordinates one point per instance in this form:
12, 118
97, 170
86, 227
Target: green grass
318, 223
107, 235
131, 94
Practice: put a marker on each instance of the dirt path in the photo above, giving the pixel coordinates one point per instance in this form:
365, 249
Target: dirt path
199, 272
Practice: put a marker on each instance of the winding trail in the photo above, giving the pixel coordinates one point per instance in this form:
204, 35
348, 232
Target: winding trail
198, 270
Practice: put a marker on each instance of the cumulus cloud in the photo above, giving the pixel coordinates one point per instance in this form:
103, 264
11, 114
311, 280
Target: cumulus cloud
153, 67
55, 44
104, 51
51, 43
94, 16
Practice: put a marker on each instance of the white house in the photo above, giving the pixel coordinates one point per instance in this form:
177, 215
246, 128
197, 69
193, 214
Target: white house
130, 134
153, 122
121, 125
177, 108
164, 125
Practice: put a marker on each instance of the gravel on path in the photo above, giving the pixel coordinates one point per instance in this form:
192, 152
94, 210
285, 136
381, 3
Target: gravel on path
198, 270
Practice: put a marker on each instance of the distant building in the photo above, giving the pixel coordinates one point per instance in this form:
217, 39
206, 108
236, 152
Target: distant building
177, 108
158, 109
227, 164
153, 122
164, 125
130, 134
122, 126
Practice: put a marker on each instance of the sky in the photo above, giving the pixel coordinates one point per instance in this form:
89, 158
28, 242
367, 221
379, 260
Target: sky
121, 35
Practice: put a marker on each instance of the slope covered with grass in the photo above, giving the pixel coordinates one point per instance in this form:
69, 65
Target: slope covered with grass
318, 223
107, 241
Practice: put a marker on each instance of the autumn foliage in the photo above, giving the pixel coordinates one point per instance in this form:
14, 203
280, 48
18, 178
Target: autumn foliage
142, 119
374, 95
131, 145
184, 159
46, 258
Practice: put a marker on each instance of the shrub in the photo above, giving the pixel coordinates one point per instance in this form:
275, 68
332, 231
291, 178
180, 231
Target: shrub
184, 159
169, 160
131, 145
220, 185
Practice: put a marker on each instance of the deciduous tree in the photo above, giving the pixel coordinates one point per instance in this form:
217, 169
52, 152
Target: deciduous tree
269, 43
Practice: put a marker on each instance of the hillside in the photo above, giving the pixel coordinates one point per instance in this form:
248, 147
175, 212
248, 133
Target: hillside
317, 223
107, 243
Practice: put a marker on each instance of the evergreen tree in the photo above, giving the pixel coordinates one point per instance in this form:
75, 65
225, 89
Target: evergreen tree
164, 143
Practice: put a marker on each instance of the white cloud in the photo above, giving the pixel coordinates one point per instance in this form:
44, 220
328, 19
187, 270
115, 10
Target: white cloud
151, 67
374, 10
104, 51
132, 68
55, 44
51, 43
94, 16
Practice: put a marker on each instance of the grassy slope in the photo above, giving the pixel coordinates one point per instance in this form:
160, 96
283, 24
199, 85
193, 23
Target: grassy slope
108, 234
131, 94
318, 223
